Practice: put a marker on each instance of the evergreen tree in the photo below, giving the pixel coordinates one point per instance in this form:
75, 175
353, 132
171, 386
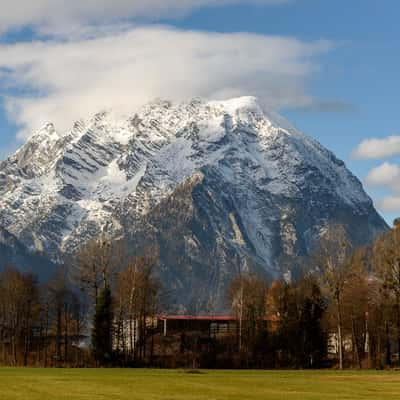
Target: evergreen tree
102, 328
312, 309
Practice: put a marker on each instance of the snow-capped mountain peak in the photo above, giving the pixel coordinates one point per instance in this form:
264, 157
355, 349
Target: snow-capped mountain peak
267, 190
47, 134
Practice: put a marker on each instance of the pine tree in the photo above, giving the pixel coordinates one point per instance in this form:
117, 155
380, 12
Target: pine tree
312, 309
102, 329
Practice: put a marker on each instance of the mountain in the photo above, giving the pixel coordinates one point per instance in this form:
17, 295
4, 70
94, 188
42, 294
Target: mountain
221, 187
14, 254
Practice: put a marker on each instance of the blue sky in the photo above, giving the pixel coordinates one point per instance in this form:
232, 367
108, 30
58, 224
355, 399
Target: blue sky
344, 62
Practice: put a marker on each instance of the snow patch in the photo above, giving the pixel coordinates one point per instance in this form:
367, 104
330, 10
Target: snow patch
238, 234
110, 165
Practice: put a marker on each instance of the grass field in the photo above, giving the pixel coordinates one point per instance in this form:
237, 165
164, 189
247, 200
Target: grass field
59, 384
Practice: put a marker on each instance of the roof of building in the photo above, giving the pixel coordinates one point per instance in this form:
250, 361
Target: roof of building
198, 317
222, 318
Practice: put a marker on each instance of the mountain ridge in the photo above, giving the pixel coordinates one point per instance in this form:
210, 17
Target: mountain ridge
111, 175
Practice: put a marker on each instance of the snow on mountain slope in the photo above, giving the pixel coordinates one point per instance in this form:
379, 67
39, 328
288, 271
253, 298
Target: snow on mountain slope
107, 173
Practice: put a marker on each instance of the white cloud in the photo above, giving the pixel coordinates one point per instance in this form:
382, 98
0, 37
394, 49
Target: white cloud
386, 175
389, 204
124, 68
48, 14
378, 148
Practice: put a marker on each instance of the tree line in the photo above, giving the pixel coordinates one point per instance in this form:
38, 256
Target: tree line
87, 314
342, 311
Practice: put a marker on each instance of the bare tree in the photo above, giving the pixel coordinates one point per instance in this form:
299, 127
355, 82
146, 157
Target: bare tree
331, 257
138, 297
96, 265
386, 260
18, 310
355, 305
247, 297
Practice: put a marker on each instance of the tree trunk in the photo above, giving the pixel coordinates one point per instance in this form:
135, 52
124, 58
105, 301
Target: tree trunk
339, 331
65, 335
58, 339
14, 349
356, 350
46, 332
388, 355
368, 341
398, 330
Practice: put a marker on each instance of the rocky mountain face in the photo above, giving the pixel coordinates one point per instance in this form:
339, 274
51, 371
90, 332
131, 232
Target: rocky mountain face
14, 253
221, 187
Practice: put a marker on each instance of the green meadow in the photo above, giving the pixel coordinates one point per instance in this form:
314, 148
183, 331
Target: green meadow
146, 384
